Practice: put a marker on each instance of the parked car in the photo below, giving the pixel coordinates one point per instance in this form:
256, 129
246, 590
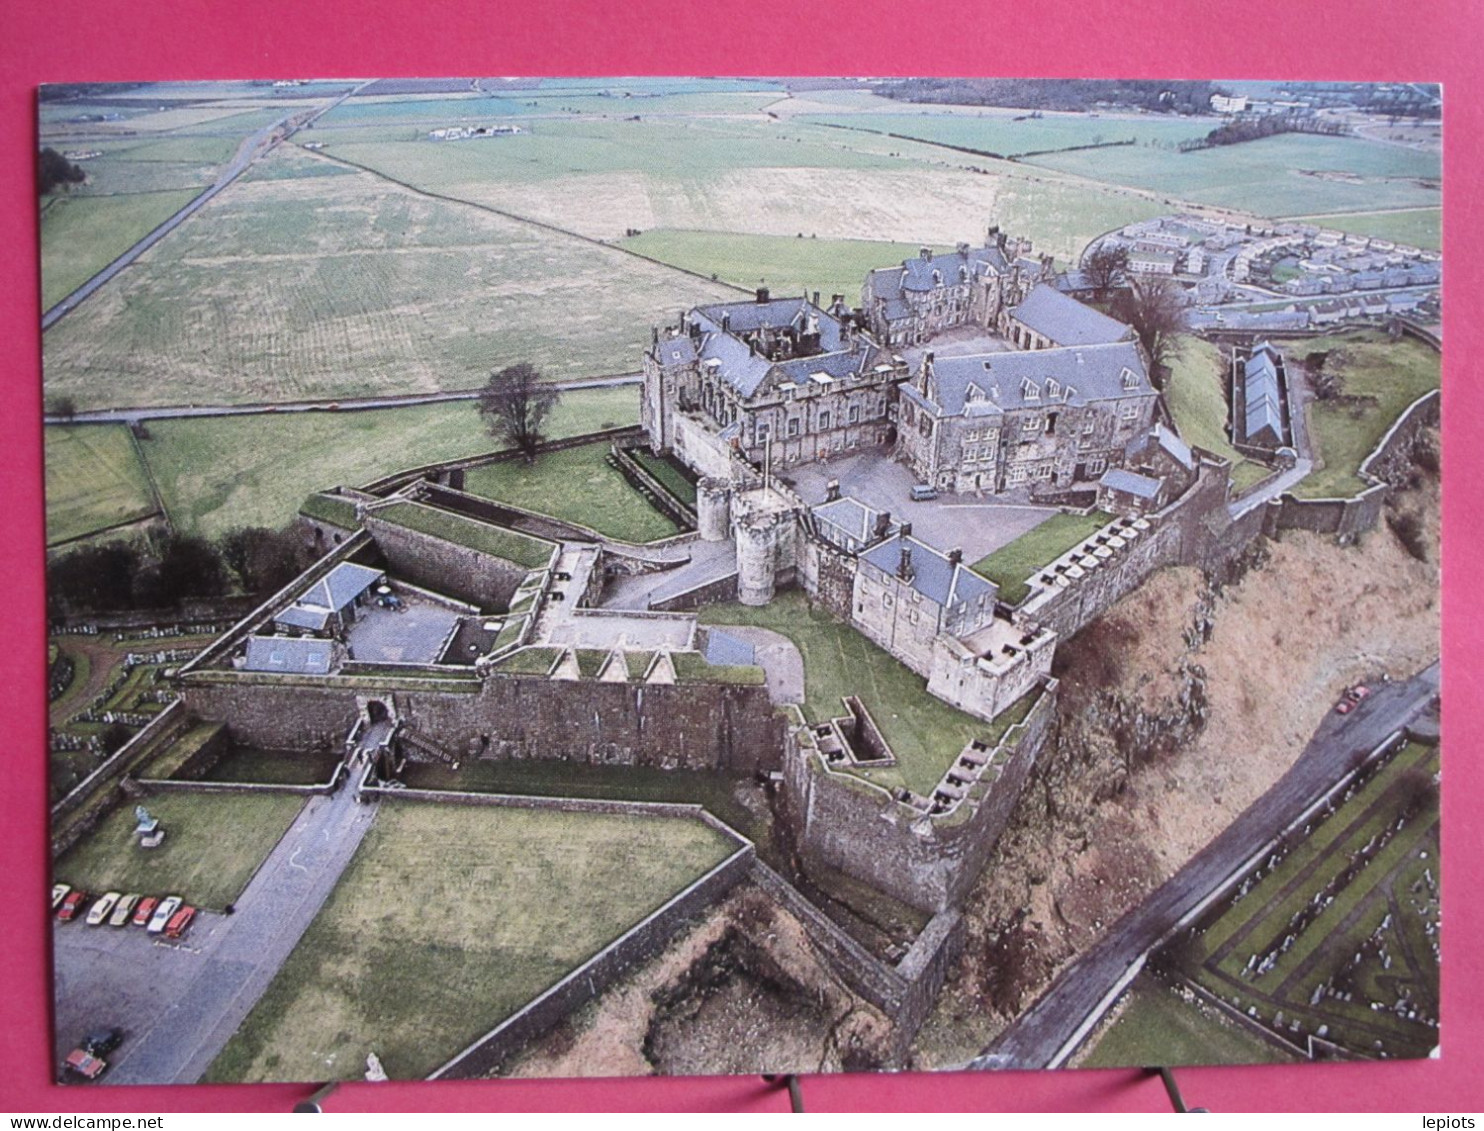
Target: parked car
101, 1042
103, 908
72, 904
59, 893
124, 911
923, 492
167, 908
179, 922
1358, 692
1344, 706
82, 1063
146, 910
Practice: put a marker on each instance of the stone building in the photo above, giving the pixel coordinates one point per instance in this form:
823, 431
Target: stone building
909, 304
1047, 318
1042, 419
779, 381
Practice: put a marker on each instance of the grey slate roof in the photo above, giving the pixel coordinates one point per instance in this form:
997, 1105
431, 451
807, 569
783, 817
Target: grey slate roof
1264, 413
916, 275
986, 384
933, 575
1177, 447
726, 650
1066, 321
283, 654
676, 351
1140, 486
299, 616
748, 372
340, 586
851, 517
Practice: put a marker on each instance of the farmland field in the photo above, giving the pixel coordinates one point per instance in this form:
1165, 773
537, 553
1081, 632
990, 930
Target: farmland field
785, 264
334, 286
606, 178
220, 473
93, 480
530, 895
1419, 227
1012, 133
81, 235
1289, 175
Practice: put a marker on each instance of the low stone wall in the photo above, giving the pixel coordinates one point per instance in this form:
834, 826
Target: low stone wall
639, 477
711, 593
171, 785
446, 567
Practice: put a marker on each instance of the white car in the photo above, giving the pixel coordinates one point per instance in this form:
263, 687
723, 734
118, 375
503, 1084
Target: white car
167, 908
102, 908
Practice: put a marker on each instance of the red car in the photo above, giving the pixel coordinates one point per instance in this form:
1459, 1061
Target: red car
72, 905
145, 911
1344, 706
84, 1064
179, 922
1357, 693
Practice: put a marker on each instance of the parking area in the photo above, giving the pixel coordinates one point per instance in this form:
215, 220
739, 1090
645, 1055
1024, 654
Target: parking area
977, 525
415, 632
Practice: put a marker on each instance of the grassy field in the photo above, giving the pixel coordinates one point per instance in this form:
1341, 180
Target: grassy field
93, 480
1420, 227
603, 178
448, 920
217, 474
1011, 565
1011, 133
277, 767
1388, 376
786, 265
1197, 400
1288, 175
81, 235
578, 485
213, 845
285, 289
925, 733
1156, 1027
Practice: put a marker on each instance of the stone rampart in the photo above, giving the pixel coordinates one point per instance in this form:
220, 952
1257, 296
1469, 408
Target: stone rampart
721, 590
446, 567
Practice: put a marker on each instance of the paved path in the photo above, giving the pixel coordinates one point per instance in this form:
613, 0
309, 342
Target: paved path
1036, 1038
181, 1004
709, 561
778, 656
344, 404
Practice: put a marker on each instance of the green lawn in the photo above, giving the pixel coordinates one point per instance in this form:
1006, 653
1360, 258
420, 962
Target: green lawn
213, 845
523, 550
1418, 227
1156, 1027
447, 921
81, 235
1288, 175
1196, 396
217, 474
1012, 565
671, 474
575, 484
1393, 373
93, 480
925, 733
786, 265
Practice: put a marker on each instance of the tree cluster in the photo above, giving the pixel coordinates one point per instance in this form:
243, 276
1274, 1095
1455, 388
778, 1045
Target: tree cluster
1175, 97
1255, 126
515, 403
55, 171
119, 576
1154, 306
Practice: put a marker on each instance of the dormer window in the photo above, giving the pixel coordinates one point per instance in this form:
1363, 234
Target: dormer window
1053, 390
1130, 378
1030, 390
974, 392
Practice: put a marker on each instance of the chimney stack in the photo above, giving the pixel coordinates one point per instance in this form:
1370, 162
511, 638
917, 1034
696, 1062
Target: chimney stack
883, 523
906, 530
654, 335
832, 490
955, 556
816, 298
726, 321
926, 253
762, 294
904, 567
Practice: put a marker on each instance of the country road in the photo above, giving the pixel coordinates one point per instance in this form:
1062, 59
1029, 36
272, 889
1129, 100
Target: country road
1041, 1036
344, 404
252, 147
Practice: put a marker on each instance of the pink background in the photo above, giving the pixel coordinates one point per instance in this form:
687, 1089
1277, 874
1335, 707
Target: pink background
118, 40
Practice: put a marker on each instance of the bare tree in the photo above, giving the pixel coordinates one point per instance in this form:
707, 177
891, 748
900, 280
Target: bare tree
1155, 307
1106, 267
515, 404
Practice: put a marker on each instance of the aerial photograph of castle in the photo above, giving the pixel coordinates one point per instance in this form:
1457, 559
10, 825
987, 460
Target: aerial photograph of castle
566, 577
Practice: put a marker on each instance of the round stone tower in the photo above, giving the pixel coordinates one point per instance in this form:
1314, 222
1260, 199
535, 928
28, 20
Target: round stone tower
714, 509
757, 556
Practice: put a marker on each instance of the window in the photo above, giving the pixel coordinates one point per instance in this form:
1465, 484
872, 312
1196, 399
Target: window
1031, 424
1130, 378
1087, 426
1096, 465
1043, 471
886, 600
764, 430
1017, 475
793, 425
824, 421
855, 414
1129, 412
